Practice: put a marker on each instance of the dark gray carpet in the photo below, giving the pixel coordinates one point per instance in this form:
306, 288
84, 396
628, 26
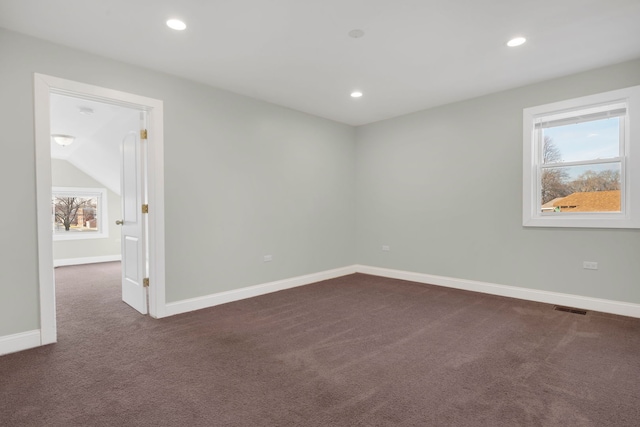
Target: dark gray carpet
354, 351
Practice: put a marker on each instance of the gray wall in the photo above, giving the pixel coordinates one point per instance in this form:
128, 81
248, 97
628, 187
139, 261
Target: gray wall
64, 174
243, 178
443, 188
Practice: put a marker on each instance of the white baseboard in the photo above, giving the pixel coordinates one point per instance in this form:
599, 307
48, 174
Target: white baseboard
18, 342
206, 301
587, 303
87, 260
557, 298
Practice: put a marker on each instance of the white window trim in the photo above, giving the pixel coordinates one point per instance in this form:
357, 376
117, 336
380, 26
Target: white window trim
630, 196
103, 206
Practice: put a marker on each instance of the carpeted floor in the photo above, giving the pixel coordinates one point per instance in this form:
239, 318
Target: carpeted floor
354, 351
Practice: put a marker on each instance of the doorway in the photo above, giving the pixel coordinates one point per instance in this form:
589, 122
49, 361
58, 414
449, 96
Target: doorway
88, 165
44, 88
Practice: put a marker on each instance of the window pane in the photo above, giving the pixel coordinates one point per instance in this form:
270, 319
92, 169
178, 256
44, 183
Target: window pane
73, 214
588, 188
596, 139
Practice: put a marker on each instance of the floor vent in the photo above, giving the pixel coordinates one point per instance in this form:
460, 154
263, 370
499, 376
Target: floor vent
570, 310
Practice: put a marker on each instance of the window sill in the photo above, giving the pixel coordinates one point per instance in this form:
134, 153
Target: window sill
59, 237
597, 220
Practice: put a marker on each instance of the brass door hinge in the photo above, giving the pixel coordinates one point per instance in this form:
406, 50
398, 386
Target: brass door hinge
145, 282
145, 208
143, 134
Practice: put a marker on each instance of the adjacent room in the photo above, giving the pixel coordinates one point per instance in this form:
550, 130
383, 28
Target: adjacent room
327, 213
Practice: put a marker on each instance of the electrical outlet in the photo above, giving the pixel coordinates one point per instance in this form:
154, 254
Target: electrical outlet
386, 248
590, 265
267, 258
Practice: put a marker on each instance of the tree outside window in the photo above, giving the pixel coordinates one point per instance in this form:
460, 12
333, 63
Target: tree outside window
75, 213
78, 213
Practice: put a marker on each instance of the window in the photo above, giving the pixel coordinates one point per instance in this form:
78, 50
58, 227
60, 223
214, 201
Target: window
79, 213
578, 170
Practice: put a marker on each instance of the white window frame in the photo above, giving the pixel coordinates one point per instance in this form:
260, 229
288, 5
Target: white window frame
103, 208
629, 216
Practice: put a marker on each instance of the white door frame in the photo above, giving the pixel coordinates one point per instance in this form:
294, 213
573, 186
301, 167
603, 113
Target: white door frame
43, 86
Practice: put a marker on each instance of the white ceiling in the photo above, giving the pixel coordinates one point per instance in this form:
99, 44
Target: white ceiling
415, 54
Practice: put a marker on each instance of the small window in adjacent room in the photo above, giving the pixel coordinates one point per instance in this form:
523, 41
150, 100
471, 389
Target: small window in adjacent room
578, 169
79, 213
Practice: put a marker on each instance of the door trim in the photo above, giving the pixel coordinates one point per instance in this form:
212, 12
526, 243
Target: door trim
44, 85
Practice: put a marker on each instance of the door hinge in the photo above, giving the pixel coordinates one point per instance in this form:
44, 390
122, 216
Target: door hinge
143, 134
145, 208
145, 282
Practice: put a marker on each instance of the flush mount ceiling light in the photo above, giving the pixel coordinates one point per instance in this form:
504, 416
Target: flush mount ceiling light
356, 94
176, 24
516, 41
63, 140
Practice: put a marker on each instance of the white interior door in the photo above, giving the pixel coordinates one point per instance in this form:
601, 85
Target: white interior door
133, 220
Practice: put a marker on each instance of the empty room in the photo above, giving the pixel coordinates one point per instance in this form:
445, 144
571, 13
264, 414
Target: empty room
320, 213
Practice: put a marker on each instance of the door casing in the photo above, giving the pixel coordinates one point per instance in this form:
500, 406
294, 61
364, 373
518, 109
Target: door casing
44, 85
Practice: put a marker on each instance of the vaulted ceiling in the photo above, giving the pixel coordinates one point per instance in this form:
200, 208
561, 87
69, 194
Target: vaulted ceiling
98, 130
414, 54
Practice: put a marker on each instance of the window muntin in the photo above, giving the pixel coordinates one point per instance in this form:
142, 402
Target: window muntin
579, 150
79, 213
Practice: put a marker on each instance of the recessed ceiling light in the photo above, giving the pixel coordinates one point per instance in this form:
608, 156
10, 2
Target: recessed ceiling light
176, 24
516, 41
356, 94
356, 34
